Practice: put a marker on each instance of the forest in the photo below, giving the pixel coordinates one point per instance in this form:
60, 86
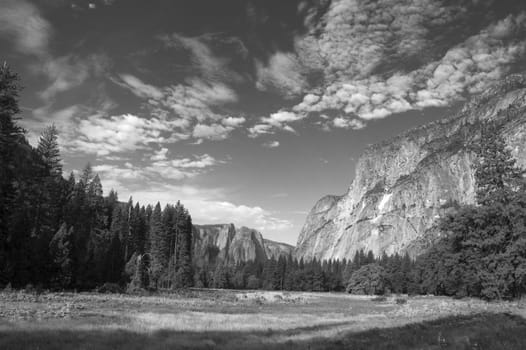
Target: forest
62, 233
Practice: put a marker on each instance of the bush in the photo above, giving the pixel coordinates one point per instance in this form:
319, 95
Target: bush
369, 279
401, 301
112, 288
379, 298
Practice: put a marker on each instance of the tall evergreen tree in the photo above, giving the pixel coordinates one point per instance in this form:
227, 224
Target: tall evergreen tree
61, 250
158, 246
10, 135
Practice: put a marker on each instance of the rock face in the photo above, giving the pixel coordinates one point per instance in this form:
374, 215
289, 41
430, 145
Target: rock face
277, 249
403, 185
231, 245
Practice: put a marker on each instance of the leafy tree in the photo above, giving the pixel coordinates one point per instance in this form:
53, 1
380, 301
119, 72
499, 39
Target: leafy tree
369, 279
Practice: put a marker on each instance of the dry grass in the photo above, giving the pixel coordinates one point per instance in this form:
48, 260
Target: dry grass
235, 319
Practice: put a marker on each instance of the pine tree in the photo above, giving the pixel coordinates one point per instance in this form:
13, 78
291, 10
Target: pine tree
185, 274
48, 149
61, 248
10, 135
158, 250
496, 172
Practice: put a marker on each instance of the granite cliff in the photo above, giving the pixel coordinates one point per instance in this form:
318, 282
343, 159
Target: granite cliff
403, 185
233, 245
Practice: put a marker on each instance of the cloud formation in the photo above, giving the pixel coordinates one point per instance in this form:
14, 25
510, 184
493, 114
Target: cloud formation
21, 22
381, 57
283, 74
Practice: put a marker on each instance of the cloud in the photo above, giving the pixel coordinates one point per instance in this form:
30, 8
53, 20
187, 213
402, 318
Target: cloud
259, 129
211, 132
139, 88
69, 71
101, 135
345, 123
167, 169
160, 154
192, 109
283, 73
204, 61
21, 21
279, 120
233, 121
355, 42
271, 144
194, 101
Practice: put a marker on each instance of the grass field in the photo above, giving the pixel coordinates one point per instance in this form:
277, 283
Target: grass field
213, 319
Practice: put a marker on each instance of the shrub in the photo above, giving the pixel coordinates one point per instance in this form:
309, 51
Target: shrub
401, 301
379, 298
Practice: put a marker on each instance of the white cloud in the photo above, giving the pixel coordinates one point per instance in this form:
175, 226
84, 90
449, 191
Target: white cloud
190, 109
283, 73
233, 121
345, 123
167, 169
160, 154
271, 144
354, 50
259, 129
211, 132
139, 88
102, 136
21, 21
279, 120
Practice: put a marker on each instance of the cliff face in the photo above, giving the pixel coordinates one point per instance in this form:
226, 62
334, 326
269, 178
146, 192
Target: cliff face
277, 249
226, 243
403, 185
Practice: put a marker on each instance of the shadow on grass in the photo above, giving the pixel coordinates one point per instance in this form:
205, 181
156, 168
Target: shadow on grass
482, 331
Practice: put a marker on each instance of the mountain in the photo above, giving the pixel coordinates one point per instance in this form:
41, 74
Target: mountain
276, 249
403, 185
226, 243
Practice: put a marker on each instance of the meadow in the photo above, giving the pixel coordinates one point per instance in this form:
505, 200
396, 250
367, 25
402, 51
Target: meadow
227, 319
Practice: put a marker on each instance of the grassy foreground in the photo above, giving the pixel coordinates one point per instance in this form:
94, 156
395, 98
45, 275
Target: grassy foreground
256, 320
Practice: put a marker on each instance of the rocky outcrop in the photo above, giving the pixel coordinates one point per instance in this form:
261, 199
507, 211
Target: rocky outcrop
226, 243
277, 249
403, 185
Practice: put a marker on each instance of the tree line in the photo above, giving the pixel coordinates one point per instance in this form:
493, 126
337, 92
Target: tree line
63, 233
288, 273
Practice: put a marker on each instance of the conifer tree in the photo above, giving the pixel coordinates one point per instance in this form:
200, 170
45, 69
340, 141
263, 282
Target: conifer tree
158, 246
61, 248
10, 135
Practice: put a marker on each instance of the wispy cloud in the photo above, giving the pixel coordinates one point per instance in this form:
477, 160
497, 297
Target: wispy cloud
101, 135
283, 73
69, 71
139, 88
21, 21
204, 62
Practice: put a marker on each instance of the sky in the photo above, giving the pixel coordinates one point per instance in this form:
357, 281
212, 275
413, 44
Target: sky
247, 111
